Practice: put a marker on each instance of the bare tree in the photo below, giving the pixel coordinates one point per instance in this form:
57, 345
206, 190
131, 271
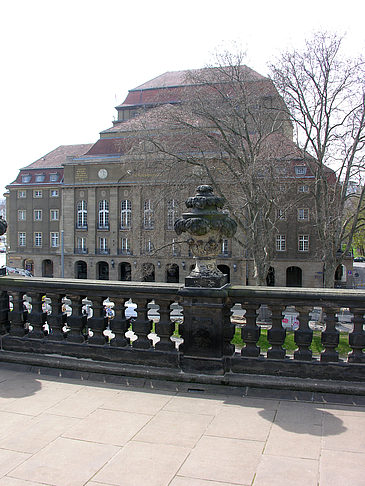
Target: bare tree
231, 130
325, 95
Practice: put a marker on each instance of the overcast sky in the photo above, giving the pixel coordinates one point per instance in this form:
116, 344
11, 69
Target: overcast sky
66, 64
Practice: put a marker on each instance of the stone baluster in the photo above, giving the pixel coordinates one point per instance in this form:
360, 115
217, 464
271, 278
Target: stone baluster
357, 336
303, 336
119, 324
77, 321
56, 320
97, 322
250, 332
18, 315
330, 337
4, 313
228, 330
37, 317
276, 334
142, 326
165, 327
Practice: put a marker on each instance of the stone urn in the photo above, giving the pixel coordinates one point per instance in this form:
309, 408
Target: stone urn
207, 225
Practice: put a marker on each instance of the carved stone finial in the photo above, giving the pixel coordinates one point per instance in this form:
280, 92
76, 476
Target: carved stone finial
207, 226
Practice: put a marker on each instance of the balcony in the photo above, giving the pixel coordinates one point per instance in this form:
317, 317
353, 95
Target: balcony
81, 251
124, 252
102, 251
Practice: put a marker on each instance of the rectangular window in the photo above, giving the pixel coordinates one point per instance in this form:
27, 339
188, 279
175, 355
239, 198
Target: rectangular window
300, 170
103, 244
37, 215
125, 247
54, 239
280, 214
53, 177
280, 242
22, 239
303, 188
225, 247
303, 243
37, 193
38, 239
54, 214
40, 177
81, 243
26, 178
22, 215
149, 246
148, 216
22, 194
171, 213
53, 193
303, 214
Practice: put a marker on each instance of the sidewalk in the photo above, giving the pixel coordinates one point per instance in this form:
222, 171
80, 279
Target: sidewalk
63, 432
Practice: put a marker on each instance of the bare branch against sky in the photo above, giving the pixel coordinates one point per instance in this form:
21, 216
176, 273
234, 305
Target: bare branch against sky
65, 65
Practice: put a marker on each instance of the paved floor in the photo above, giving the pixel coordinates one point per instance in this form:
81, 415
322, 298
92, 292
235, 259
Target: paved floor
55, 431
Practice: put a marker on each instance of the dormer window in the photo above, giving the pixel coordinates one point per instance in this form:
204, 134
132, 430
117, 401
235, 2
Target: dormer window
40, 177
300, 170
26, 178
53, 177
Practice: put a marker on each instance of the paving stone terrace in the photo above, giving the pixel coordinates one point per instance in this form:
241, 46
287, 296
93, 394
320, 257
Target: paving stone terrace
69, 432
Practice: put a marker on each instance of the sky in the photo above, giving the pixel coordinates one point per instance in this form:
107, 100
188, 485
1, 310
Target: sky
66, 64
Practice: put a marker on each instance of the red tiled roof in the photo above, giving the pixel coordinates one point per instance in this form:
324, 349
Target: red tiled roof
55, 159
111, 146
175, 86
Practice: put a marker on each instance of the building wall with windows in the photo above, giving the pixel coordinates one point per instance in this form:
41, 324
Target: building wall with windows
108, 220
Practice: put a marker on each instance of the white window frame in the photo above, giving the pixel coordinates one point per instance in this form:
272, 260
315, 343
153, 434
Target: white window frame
81, 216
280, 243
281, 214
103, 243
171, 213
300, 170
40, 177
22, 238
149, 246
225, 250
37, 215
81, 243
126, 214
22, 194
303, 214
53, 176
303, 243
37, 194
103, 214
38, 239
148, 215
26, 178
54, 214
22, 214
125, 246
303, 188
54, 239
53, 193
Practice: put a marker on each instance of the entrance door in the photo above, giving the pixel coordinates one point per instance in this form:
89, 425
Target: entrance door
47, 268
81, 269
103, 271
226, 271
293, 277
125, 271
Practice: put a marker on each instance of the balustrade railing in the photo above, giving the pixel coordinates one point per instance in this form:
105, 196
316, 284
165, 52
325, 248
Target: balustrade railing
189, 329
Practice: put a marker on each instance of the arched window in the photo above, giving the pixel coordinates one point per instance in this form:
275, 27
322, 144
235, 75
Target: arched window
125, 271
172, 273
148, 272
148, 216
103, 214
102, 271
171, 213
82, 214
126, 214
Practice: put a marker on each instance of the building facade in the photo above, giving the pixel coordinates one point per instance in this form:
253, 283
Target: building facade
99, 211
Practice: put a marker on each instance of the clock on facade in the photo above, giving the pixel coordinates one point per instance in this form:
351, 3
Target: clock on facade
103, 173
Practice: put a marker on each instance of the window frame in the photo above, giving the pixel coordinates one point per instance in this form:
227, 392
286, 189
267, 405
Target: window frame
303, 243
22, 212
38, 239
22, 236
37, 194
280, 243
57, 212
54, 236
125, 214
305, 212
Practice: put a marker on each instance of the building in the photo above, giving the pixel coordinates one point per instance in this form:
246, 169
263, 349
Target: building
98, 211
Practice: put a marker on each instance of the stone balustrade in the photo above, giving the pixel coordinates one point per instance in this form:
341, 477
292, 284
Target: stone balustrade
182, 333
